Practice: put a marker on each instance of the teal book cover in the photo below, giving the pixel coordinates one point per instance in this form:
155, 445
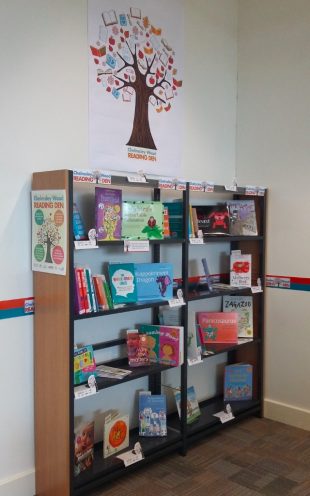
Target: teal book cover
142, 220
154, 281
153, 340
123, 283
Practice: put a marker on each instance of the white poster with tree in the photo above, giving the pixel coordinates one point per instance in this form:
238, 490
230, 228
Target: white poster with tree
135, 85
49, 241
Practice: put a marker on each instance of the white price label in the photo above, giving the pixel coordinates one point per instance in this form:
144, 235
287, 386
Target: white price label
224, 417
136, 179
256, 289
136, 245
194, 361
176, 302
251, 190
233, 187
260, 190
196, 241
132, 456
209, 187
85, 245
83, 391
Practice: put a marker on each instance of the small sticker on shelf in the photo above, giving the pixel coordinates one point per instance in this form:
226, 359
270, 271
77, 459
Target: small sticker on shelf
196, 186
166, 183
180, 185
136, 245
251, 190
137, 179
132, 456
209, 187
194, 360
83, 391
84, 176
176, 302
85, 245
256, 289
196, 241
104, 177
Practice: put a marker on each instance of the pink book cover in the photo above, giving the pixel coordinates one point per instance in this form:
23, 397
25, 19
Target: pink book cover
108, 213
218, 327
169, 346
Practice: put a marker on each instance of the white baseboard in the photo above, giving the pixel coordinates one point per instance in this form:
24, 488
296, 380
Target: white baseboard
288, 414
22, 484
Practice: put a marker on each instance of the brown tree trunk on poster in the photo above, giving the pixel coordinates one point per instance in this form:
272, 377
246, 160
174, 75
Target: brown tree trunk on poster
141, 135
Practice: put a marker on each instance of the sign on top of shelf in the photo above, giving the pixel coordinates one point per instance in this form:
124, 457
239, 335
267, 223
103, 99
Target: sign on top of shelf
85, 176
196, 186
104, 177
251, 190
180, 185
166, 183
136, 178
209, 187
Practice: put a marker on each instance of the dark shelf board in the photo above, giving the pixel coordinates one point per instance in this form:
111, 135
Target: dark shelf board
215, 238
201, 295
218, 348
165, 241
126, 308
105, 469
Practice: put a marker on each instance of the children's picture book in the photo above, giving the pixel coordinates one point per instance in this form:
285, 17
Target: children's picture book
212, 219
238, 382
240, 269
79, 232
137, 349
218, 327
165, 343
175, 213
84, 364
143, 220
108, 213
83, 447
243, 305
115, 434
242, 217
152, 333
154, 281
192, 405
123, 283
152, 414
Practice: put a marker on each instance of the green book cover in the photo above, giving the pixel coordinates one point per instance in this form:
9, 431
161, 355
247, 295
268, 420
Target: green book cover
142, 220
153, 336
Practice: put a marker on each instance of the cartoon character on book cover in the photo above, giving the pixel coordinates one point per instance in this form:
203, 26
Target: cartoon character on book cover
108, 213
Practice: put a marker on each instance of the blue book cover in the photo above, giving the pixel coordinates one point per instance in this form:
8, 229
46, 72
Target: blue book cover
238, 379
154, 281
152, 414
123, 283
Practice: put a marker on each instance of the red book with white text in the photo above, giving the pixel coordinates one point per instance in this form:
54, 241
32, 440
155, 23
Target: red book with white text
218, 327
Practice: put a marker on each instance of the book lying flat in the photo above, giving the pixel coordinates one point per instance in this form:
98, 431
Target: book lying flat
112, 372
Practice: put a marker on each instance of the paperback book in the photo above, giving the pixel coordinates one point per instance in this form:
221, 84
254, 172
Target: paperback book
238, 382
83, 447
218, 327
108, 213
84, 364
137, 349
212, 219
243, 305
165, 343
175, 213
123, 283
242, 216
152, 414
115, 434
143, 220
192, 405
154, 281
240, 269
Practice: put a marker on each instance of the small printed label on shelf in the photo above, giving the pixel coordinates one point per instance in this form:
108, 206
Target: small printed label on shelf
104, 177
261, 190
233, 187
136, 245
137, 179
225, 416
194, 360
166, 183
180, 185
196, 186
251, 190
85, 245
176, 302
132, 456
84, 176
83, 391
196, 241
209, 187
256, 289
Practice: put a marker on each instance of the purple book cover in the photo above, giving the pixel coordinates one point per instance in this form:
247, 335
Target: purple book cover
108, 213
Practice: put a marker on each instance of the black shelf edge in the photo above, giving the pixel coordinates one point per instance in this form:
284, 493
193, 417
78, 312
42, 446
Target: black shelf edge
227, 238
218, 348
136, 372
201, 295
105, 469
165, 241
126, 308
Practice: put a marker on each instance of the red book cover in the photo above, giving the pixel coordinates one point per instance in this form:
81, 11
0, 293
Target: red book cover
218, 327
137, 348
79, 295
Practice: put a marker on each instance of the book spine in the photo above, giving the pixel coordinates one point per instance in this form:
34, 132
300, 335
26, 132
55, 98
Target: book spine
101, 298
85, 295
79, 293
90, 288
107, 293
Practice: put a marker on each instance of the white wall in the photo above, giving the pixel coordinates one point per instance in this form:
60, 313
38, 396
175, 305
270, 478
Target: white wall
43, 101
273, 149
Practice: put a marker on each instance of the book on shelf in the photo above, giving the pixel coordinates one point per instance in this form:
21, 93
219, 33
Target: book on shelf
192, 406
102, 292
82, 298
240, 269
115, 434
165, 343
83, 447
154, 281
152, 414
84, 364
111, 372
212, 219
242, 217
218, 327
143, 220
123, 283
166, 226
108, 213
175, 212
79, 232
137, 349
243, 305
238, 382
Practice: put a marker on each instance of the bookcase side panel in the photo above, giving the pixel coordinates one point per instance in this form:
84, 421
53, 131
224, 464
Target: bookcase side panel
52, 367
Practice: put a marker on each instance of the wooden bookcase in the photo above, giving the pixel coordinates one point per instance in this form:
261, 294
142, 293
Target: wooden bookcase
54, 346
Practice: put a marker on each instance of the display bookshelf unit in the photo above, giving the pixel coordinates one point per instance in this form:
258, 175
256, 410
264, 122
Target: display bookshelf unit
55, 327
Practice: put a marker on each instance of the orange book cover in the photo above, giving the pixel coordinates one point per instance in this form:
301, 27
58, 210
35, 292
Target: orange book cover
218, 327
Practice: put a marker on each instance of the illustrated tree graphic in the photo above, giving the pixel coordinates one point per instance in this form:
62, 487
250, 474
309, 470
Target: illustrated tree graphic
134, 61
48, 235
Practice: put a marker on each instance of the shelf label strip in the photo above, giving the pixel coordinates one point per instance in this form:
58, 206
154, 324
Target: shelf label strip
16, 308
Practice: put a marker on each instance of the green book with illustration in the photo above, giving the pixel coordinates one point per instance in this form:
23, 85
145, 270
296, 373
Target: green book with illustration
142, 220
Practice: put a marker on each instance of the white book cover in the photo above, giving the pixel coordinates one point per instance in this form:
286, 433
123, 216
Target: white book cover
243, 305
240, 270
